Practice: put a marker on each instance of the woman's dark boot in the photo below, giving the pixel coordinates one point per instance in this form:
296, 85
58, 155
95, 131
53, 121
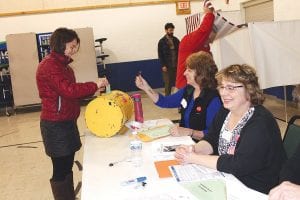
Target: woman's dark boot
63, 190
69, 179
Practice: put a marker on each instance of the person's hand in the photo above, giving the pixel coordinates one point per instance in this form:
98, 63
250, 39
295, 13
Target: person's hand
285, 191
207, 7
184, 153
102, 83
180, 131
141, 83
164, 69
208, 10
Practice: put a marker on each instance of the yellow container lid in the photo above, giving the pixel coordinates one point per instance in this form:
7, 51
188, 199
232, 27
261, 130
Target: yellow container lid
106, 115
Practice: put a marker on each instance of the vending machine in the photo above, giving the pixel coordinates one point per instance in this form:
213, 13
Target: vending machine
6, 97
43, 42
3, 55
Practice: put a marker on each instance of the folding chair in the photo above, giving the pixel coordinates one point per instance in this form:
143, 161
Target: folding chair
291, 138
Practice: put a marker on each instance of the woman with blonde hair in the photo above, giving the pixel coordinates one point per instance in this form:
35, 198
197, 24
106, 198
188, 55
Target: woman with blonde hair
244, 138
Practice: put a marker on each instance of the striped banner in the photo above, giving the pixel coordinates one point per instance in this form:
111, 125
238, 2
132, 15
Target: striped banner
222, 26
192, 22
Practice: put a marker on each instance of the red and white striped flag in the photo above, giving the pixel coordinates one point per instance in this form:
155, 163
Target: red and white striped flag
192, 22
221, 27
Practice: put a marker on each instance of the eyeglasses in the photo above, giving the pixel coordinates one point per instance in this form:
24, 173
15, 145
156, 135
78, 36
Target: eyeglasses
229, 88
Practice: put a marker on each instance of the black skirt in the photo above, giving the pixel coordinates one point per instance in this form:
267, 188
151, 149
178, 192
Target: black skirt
60, 138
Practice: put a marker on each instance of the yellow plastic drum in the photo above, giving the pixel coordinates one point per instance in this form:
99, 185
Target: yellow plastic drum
106, 115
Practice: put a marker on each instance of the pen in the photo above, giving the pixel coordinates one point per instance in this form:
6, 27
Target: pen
205, 188
222, 174
136, 180
175, 173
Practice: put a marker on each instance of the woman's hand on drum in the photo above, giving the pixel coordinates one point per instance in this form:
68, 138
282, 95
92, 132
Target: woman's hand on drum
102, 83
141, 83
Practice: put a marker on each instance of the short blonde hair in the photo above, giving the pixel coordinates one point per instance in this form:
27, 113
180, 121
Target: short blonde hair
245, 75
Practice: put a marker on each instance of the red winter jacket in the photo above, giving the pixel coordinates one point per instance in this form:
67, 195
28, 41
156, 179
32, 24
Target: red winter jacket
58, 90
192, 43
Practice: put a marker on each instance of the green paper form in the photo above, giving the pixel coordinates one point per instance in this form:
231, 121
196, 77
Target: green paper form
207, 189
157, 131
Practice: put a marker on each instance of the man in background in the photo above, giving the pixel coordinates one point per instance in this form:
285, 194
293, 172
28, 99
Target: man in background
167, 54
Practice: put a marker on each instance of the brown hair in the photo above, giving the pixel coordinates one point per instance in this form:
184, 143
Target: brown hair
205, 67
60, 37
245, 75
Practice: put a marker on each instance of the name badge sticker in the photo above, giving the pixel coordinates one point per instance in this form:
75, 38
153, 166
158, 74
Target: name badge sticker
183, 103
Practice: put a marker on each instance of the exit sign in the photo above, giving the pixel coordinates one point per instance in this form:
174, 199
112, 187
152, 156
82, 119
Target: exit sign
183, 7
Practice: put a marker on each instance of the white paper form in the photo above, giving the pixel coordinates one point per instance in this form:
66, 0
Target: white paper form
193, 172
148, 124
162, 190
238, 191
159, 147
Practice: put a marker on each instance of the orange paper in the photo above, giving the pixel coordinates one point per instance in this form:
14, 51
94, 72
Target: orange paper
162, 167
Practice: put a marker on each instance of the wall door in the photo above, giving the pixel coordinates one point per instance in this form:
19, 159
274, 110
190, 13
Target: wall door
23, 62
258, 10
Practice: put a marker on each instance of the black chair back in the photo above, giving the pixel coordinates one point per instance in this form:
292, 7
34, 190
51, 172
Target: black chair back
291, 138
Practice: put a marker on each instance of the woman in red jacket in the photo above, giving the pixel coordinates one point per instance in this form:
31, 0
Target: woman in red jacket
196, 41
60, 95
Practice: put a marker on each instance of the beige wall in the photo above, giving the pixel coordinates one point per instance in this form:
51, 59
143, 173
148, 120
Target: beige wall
34, 5
286, 10
283, 9
28, 5
127, 29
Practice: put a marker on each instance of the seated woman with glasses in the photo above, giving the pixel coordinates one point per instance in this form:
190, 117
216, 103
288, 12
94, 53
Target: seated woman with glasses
199, 100
244, 138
